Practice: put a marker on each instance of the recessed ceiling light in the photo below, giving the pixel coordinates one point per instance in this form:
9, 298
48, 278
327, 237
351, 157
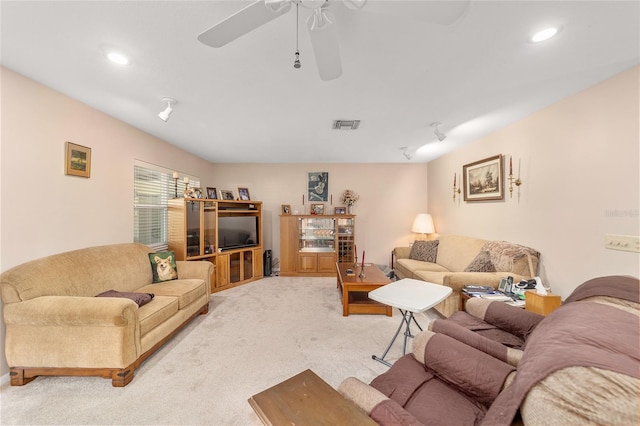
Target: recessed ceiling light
117, 58
545, 34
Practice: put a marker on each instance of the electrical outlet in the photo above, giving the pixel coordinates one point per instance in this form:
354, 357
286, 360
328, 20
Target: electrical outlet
622, 242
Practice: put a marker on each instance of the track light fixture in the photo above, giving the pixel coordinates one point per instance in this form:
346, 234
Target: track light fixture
441, 136
408, 152
164, 115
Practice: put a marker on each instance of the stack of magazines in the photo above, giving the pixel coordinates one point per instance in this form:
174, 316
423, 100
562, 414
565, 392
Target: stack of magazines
486, 292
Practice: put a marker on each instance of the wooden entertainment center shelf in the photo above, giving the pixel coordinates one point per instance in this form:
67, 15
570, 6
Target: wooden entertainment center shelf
225, 233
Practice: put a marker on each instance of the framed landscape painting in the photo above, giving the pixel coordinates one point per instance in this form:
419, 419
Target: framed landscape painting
483, 180
78, 160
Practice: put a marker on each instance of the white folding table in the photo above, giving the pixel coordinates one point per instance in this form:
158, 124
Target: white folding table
409, 296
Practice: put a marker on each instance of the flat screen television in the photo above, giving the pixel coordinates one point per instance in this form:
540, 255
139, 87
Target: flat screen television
237, 232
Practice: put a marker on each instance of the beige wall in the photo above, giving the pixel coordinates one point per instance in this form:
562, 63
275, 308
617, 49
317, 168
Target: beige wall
579, 166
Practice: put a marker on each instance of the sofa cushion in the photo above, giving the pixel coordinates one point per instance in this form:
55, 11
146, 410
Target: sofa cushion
455, 252
163, 266
427, 251
481, 263
139, 298
186, 291
156, 313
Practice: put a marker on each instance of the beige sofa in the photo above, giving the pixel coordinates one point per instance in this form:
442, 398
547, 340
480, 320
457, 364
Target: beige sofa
56, 326
455, 254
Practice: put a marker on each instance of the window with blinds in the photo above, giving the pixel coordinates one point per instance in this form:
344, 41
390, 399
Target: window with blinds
153, 186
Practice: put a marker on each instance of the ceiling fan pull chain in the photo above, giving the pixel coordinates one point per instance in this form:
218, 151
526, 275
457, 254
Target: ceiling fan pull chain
296, 62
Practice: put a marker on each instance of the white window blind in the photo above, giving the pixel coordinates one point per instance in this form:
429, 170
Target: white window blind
153, 186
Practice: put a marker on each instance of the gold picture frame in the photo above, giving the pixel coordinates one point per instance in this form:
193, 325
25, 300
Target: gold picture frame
483, 180
285, 209
77, 160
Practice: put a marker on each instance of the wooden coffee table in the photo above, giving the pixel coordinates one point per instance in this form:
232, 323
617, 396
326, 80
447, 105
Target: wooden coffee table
306, 399
355, 299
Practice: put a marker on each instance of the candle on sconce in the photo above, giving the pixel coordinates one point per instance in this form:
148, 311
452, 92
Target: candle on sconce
454, 180
510, 165
176, 175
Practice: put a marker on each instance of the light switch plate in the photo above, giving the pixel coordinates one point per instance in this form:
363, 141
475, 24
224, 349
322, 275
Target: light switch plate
622, 242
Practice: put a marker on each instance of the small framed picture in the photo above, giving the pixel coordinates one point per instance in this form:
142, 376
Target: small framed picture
286, 209
317, 208
340, 210
77, 160
212, 193
243, 194
226, 195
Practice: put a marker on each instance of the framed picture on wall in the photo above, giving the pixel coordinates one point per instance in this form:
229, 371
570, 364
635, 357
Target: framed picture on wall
77, 160
483, 180
318, 186
212, 193
286, 209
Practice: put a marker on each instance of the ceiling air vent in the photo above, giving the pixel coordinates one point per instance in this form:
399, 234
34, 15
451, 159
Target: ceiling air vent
346, 124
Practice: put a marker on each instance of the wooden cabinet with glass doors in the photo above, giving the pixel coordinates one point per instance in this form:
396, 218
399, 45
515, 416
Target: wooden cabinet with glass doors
225, 233
310, 245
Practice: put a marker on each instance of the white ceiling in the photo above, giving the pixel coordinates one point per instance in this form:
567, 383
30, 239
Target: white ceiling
246, 103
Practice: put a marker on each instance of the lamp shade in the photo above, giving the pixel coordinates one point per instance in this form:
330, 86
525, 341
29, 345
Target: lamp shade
423, 224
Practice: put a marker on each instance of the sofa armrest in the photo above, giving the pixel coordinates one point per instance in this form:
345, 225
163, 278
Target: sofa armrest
512, 319
471, 371
375, 404
196, 270
402, 252
71, 310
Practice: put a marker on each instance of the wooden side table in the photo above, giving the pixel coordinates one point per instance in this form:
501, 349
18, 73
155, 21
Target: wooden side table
355, 289
306, 399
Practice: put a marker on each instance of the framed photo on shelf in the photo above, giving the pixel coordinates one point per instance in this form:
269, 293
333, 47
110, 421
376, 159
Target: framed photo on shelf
340, 210
243, 194
317, 209
226, 195
212, 193
77, 160
483, 180
286, 209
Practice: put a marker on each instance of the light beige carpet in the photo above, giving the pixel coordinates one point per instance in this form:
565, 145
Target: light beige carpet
254, 337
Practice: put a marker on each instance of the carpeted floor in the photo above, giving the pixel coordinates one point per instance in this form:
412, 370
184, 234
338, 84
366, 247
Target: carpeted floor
254, 337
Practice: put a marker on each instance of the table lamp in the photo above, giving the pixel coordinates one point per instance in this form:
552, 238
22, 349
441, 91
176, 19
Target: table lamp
423, 224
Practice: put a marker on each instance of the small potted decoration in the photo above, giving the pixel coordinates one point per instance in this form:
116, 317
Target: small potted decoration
349, 198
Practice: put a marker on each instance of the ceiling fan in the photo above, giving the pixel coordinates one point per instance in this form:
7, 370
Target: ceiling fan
321, 24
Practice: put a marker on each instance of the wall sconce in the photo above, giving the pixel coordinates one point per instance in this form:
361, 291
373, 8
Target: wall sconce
513, 181
175, 179
423, 224
456, 189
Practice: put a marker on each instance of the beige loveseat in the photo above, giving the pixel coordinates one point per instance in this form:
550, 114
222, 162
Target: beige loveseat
56, 326
460, 260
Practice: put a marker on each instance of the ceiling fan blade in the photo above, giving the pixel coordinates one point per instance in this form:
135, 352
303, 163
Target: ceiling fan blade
326, 49
435, 11
241, 22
